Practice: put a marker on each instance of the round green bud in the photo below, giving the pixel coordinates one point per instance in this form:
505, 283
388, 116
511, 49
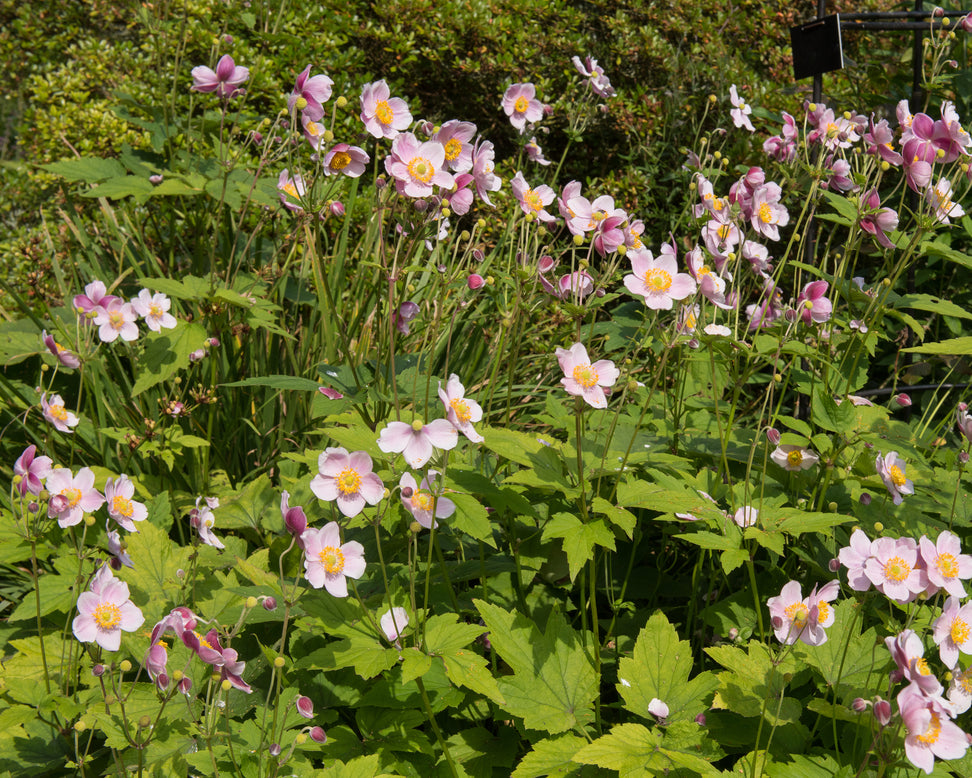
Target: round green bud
251, 602
713, 99
717, 155
301, 103
578, 240
89, 520
481, 223
417, 425
80, 726
300, 739
328, 136
832, 507
145, 722
464, 235
622, 249
446, 213
279, 662
415, 528
226, 685
777, 377
341, 101
878, 527
125, 665
177, 675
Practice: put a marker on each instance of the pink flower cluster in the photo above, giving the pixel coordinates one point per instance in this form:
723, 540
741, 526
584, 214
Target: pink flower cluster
116, 318
795, 617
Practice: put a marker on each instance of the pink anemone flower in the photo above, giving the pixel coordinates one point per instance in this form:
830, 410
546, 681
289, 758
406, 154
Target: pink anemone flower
383, 116
657, 280
812, 305
328, 562
32, 471
348, 480
224, 81
931, 733
424, 501
72, 496
104, 611
461, 412
417, 441
520, 104
583, 379
121, 507
65, 357
315, 90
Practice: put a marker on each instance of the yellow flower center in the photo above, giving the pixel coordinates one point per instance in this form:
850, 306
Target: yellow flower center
107, 615
421, 169
766, 213
724, 231
332, 559
290, 189
932, 733
348, 481
532, 199
73, 496
313, 128
461, 407
155, 310
658, 280
585, 375
422, 500
947, 565
116, 319
453, 148
959, 632
340, 160
897, 477
384, 113
794, 458
58, 412
798, 613
922, 666
896, 569
964, 680
122, 505
203, 642
823, 611
521, 104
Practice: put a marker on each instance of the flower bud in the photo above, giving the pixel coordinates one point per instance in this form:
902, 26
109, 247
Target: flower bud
125, 665
882, 711
773, 436
98, 670
145, 722
341, 101
251, 602
337, 208
963, 457
274, 749
859, 705
475, 281
279, 662
270, 603
903, 400
305, 707
865, 499
407, 492
318, 735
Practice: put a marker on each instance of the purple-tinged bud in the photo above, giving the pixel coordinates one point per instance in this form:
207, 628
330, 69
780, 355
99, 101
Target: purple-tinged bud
700, 719
256, 137
882, 711
228, 40
330, 394
33, 507
733, 633
295, 520
275, 749
546, 263
475, 281
305, 707
773, 435
963, 457
833, 565
407, 492
285, 124
199, 353
156, 179
98, 670
337, 208
270, 603
865, 499
421, 205
966, 22
381, 182
599, 292
427, 128
318, 735
59, 503
185, 685
859, 705
903, 400
212, 342
478, 255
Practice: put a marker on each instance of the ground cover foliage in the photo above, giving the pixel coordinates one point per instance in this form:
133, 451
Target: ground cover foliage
469, 396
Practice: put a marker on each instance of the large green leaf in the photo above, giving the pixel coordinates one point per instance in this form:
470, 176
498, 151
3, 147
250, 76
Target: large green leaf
87, 169
956, 347
553, 683
659, 668
634, 750
167, 352
579, 538
551, 757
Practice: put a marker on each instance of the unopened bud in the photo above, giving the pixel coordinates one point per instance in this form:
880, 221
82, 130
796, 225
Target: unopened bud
274, 749
125, 665
475, 281
301, 103
903, 400
878, 527
859, 705
145, 722
269, 603
98, 670
773, 435
832, 507
407, 492
341, 101
279, 662
318, 735
251, 602
80, 726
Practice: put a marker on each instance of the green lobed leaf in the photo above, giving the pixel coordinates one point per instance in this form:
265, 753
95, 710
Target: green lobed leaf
471, 517
551, 757
579, 538
635, 750
827, 414
282, 382
554, 683
166, 353
659, 668
87, 169
957, 347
